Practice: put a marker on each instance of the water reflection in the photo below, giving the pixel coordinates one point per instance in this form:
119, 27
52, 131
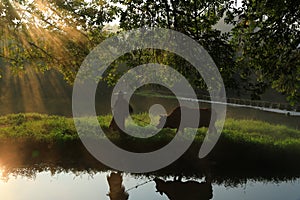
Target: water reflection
47, 182
18, 162
178, 190
116, 189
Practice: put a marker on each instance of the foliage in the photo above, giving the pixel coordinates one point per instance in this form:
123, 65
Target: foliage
59, 34
51, 34
193, 18
266, 35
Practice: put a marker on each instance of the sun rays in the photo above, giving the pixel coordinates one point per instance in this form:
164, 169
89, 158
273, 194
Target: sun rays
38, 34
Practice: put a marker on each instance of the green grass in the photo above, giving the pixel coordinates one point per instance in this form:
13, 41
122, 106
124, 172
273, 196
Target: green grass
258, 132
36, 127
39, 127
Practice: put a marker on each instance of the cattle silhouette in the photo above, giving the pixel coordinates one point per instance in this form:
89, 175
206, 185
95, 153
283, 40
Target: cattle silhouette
173, 119
190, 190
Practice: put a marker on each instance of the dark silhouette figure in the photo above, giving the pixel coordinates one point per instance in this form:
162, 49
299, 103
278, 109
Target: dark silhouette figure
120, 110
116, 189
173, 119
190, 190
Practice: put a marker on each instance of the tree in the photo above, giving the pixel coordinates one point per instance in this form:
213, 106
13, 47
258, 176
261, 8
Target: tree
261, 49
194, 18
266, 35
51, 34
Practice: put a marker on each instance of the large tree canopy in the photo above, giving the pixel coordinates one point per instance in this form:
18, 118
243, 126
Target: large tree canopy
193, 18
259, 52
266, 36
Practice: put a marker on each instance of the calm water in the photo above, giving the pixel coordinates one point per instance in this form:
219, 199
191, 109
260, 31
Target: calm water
46, 185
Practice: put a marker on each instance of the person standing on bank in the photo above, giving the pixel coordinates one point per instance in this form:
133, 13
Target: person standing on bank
120, 109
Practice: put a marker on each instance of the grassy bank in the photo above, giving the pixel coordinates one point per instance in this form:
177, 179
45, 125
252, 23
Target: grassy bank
254, 141
51, 128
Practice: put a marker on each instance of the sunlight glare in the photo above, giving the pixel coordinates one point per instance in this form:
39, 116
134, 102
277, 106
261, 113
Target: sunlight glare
37, 26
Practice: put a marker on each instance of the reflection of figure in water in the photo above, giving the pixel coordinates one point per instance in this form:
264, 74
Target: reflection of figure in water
191, 190
116, 189
120, 110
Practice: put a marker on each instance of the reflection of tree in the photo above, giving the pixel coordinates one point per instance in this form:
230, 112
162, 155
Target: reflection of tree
116, 189
20, 159
178, 190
